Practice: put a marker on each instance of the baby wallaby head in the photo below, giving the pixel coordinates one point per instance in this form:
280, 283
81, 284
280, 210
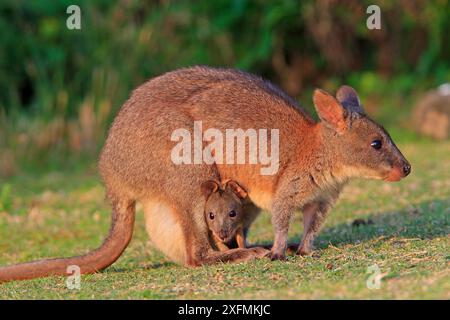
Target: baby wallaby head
223, 207
357, 145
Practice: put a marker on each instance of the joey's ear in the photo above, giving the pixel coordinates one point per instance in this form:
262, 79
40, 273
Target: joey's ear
236, 188
349, 99
209, 187
329, 110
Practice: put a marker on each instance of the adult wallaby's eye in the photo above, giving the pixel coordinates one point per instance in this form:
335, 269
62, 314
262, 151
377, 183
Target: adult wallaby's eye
232, 213
376, 144
211, 216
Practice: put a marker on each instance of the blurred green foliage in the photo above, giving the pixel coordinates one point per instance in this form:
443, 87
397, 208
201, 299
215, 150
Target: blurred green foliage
49, 72
5, 198
125, 42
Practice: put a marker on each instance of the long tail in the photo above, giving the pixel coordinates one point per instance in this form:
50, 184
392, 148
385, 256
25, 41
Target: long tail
119, 236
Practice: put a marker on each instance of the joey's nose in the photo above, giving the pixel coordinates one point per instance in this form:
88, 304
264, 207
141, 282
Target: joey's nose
223, 234
406, 169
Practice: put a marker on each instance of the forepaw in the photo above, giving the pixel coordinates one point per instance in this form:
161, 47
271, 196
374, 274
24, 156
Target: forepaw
304, 251
277, 256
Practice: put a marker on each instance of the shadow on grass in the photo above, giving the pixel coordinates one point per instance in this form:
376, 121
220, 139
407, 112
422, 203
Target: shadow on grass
427, 220
159, 265
150, 266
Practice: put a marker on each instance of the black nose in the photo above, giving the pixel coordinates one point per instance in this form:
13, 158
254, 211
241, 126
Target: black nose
223, 234
406, 169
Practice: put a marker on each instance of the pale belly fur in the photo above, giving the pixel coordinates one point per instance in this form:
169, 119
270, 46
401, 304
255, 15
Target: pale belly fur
165, 231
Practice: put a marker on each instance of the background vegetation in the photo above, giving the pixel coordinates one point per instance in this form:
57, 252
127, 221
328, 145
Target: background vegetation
60, 89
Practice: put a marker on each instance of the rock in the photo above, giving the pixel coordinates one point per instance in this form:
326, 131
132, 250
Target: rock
431, 116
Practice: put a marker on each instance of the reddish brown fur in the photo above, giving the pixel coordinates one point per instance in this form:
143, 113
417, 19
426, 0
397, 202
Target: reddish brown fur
316, 160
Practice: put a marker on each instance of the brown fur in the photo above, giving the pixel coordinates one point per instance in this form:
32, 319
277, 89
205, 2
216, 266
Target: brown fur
222, 198
316, 160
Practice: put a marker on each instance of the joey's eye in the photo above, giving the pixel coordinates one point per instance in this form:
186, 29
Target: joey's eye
211, 216
232, 213
376, 144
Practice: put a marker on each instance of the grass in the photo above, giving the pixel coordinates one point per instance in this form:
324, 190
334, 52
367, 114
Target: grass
62, 213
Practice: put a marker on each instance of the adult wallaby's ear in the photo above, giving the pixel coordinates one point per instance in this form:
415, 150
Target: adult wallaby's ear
349, 99
236, 188
329, 110
209, 187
